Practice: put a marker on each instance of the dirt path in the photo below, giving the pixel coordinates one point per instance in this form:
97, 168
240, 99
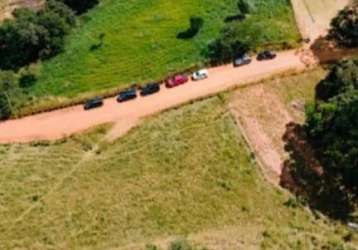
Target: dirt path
314, 16
65, 122
263, 118
8, 6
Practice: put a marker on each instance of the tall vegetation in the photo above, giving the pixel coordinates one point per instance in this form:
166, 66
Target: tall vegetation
345, 26
332, 126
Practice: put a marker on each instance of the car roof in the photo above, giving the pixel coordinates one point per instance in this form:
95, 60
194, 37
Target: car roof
203, 71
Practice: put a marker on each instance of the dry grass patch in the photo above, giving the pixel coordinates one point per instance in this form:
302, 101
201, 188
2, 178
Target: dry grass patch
184, 172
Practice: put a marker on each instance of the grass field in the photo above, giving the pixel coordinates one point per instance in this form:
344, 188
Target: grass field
140, 42
298, 89
184, 172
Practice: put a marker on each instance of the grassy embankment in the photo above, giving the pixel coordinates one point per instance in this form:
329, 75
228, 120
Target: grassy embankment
184, 172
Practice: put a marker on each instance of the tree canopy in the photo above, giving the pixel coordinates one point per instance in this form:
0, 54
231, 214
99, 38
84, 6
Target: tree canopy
34, 35
344, 28
332, 125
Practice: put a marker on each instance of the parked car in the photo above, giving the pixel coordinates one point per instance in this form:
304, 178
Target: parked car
93, 103
242, 60
200, 75
127, 95
149, 89
266, 55
176, 81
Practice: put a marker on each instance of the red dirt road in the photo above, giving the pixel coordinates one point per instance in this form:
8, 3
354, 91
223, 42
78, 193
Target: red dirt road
61, 123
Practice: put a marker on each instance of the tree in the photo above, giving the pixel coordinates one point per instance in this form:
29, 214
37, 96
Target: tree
227, 46
344, 28
341, 78
62, 10
332, 126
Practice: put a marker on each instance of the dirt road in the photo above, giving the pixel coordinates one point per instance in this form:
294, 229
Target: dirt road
313, 17
61, 123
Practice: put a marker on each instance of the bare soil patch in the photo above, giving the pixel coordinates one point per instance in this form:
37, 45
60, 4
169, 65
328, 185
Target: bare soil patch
265, 111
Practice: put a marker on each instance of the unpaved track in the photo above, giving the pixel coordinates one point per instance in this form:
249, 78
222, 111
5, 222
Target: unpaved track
61, 123
313, 17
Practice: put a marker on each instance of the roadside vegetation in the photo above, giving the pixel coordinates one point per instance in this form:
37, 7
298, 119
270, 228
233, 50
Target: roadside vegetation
119, 43
185, 172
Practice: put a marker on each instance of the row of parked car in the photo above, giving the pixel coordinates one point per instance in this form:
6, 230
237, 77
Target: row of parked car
148, 89
174, 81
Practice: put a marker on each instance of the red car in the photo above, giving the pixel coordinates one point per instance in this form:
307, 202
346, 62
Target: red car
176, 81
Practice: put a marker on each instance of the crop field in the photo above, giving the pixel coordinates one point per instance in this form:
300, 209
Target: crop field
124, 42
185, 172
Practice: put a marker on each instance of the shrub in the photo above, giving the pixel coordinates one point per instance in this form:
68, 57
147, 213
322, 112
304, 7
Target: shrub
180, 244
8, 94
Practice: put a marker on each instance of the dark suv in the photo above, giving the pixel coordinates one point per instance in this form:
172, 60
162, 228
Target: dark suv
127, 95
149, 89
93, 103
266, 55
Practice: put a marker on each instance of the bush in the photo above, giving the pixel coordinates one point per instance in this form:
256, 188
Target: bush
27, 79
10, 94
344, 28
180, 244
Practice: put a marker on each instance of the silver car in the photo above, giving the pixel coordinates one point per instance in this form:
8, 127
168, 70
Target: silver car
200, 75
242, 60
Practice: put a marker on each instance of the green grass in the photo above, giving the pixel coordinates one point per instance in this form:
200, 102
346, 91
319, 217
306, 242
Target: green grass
183, 172
140, 42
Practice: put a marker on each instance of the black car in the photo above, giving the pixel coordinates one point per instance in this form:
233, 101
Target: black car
127, 95
266, 55
149, 89
93, 103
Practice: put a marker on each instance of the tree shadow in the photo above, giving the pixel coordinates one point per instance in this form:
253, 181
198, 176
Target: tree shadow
196, 23
328, 51
233, 18
304, 176
99, 44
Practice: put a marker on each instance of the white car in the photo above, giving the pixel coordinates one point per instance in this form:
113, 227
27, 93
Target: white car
200, 75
